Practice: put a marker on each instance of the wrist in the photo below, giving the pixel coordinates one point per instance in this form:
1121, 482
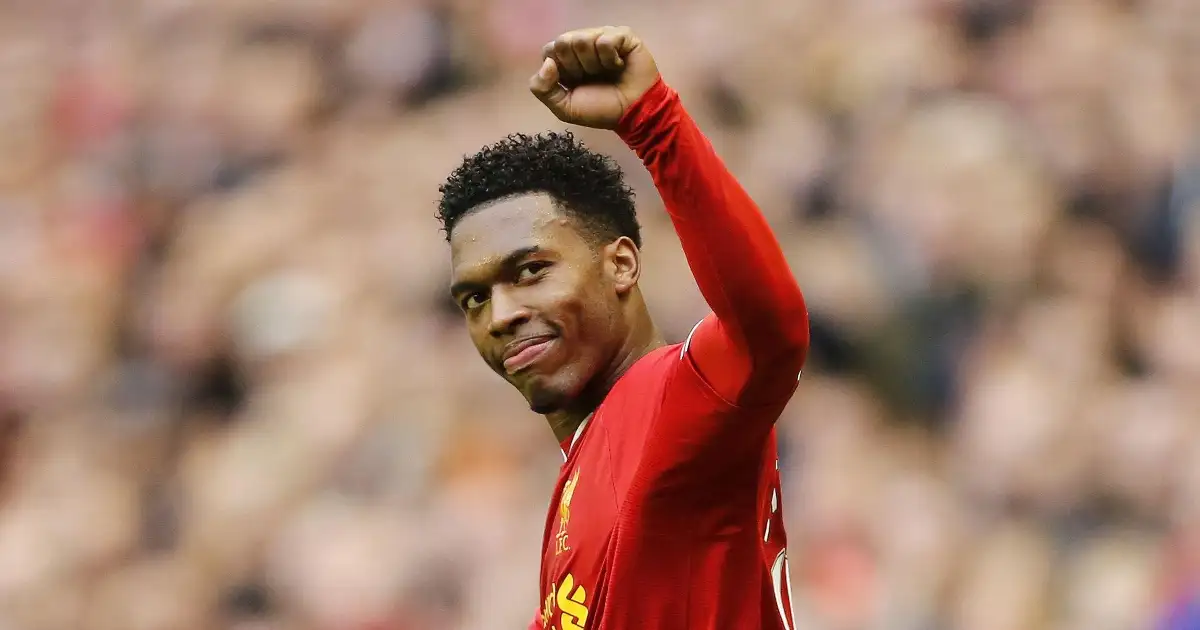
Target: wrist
647, 113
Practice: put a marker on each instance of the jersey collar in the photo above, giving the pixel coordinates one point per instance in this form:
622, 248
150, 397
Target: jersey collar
567, 445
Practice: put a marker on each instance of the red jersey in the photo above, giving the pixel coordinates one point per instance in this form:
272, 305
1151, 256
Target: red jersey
667, 513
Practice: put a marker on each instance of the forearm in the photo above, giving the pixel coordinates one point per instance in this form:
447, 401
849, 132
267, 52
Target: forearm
736, 259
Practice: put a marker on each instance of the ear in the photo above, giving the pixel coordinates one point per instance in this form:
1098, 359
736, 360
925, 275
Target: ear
622, 264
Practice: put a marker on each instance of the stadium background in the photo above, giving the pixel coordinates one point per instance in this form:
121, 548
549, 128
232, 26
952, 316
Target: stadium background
234, 395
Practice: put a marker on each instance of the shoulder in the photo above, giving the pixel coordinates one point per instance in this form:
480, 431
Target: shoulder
666, 382
661, 360
639, 393
649, 373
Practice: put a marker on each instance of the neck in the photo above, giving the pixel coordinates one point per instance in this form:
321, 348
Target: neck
644, 339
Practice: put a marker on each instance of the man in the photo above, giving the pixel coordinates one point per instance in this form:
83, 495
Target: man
666, 513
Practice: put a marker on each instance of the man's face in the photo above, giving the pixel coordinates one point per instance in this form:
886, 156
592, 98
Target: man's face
541, 302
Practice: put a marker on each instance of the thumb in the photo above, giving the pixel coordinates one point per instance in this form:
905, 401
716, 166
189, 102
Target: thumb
546, 88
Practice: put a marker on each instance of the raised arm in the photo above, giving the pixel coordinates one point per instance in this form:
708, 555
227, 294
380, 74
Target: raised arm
752, 349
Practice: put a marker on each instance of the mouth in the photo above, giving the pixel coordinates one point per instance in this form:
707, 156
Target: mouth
525, 352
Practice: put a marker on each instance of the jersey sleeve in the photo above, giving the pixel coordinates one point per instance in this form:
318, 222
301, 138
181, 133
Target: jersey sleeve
702, 455
751, 350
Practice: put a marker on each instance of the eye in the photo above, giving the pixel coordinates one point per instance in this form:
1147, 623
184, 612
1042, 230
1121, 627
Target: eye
530, 270
474, 300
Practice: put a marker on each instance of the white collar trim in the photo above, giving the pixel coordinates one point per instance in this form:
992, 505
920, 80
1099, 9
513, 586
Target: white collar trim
575, 438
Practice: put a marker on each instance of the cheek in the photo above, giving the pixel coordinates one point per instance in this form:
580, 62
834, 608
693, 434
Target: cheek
477, 332
595, 337
481, 342
584, 314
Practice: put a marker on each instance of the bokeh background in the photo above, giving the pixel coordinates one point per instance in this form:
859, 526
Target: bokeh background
233, 392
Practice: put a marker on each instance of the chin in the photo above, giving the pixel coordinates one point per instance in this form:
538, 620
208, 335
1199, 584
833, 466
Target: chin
545, 401
546, 397
544, 408
553, 389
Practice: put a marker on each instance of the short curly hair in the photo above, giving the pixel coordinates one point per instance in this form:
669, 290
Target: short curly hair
586, 185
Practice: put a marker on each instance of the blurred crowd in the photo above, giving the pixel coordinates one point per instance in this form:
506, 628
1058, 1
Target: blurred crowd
234, 393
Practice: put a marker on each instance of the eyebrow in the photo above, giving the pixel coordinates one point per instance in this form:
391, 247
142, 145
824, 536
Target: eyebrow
510, 259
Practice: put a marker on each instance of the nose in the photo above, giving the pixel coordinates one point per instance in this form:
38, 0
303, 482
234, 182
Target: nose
507, 313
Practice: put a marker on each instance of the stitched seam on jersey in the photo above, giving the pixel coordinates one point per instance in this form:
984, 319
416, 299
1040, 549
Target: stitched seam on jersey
612, 477
684, 354
687, 343
707, 386
662, 397
711, 390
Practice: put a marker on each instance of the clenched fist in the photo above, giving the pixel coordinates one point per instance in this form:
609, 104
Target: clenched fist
591, 76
